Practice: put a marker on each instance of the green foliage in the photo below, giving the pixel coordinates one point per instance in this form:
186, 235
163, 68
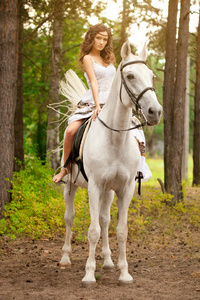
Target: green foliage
157, 168
82, 215
36, 70
37, 206
36, 90
149, 213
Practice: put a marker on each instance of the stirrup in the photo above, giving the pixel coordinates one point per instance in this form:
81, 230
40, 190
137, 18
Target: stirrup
138, 178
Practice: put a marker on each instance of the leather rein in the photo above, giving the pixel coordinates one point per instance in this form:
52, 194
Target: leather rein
135, 99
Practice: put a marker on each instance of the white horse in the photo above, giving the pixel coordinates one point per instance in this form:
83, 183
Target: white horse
111, 160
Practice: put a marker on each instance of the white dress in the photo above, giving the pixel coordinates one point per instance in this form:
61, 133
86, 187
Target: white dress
104, 76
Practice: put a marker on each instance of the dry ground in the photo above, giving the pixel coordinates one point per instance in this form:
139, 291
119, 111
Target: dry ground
30, 270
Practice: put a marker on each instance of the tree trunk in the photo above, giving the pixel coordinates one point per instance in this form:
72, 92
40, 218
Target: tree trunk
9, 27
125, 23
168, 90
174, 96
151, 145
186, 124
55, 77
179, 100
18, 127
121, 32
196, 133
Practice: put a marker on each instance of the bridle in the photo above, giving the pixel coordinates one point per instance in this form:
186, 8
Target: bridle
135, 99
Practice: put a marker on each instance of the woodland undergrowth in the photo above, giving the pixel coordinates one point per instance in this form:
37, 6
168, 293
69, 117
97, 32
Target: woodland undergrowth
37, 210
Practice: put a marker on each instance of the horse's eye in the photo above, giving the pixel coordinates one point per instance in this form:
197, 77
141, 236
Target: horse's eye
130, 76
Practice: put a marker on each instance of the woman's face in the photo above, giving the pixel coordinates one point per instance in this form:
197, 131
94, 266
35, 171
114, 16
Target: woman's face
100, 40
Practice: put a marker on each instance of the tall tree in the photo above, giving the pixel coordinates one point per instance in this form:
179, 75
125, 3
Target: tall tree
40, 62
196, 132
126, 20
174, 98
168, 89
179, 99
55, 77
133, 12
9, 27
73, 9
18, 123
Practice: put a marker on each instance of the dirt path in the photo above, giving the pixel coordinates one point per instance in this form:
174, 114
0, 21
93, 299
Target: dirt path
30, 270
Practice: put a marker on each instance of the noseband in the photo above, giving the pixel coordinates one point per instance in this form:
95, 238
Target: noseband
135, 99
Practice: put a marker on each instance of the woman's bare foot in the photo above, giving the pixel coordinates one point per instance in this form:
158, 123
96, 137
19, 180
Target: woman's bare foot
58, 177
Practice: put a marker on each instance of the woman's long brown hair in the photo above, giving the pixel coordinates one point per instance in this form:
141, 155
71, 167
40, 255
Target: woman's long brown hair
85, 48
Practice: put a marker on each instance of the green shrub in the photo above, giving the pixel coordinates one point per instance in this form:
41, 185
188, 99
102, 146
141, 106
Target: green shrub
37, 205
82, 215
37, 208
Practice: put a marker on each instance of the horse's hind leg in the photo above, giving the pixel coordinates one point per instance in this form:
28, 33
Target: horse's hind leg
69, 218
124, 199
104, 222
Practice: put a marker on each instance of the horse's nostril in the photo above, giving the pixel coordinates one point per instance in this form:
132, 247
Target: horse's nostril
151, 111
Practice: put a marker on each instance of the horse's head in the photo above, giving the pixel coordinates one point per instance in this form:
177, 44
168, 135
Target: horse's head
137, 84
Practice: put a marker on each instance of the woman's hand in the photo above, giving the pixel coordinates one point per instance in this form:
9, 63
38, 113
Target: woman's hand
96, 112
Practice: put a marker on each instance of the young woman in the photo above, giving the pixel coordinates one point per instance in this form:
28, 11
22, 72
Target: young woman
97, 58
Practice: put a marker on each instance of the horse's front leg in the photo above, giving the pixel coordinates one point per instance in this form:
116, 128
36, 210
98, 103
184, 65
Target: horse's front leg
93, 231
69, 218
124, 199
104, 222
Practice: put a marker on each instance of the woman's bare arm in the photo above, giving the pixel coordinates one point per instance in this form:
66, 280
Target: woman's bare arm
88, 67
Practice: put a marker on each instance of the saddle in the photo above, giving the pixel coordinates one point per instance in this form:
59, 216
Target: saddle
76, 155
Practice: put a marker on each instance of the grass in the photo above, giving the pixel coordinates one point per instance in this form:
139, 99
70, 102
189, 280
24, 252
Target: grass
148, 214
156, 166
151, 219
37, 208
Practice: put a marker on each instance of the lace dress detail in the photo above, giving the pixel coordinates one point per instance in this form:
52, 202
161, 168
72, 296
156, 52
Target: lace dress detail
104, 76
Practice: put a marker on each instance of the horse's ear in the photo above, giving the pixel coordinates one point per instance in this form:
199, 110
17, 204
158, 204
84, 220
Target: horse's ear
125, 50
143, 54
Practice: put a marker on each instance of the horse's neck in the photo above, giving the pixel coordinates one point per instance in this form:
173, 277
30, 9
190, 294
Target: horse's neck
116, 115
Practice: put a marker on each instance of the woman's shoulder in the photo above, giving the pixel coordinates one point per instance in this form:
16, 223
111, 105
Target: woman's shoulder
87, 62
88, 58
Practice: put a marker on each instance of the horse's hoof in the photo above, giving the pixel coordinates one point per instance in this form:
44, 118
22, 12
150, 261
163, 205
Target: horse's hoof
65, 265
88, 284
109, 268
123, 282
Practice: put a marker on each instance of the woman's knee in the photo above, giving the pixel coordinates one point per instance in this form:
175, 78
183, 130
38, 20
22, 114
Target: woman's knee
71, 131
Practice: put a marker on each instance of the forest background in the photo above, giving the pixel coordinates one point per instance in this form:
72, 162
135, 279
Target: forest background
49, 36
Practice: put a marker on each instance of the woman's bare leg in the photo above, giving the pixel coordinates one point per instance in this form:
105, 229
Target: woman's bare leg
68, 142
